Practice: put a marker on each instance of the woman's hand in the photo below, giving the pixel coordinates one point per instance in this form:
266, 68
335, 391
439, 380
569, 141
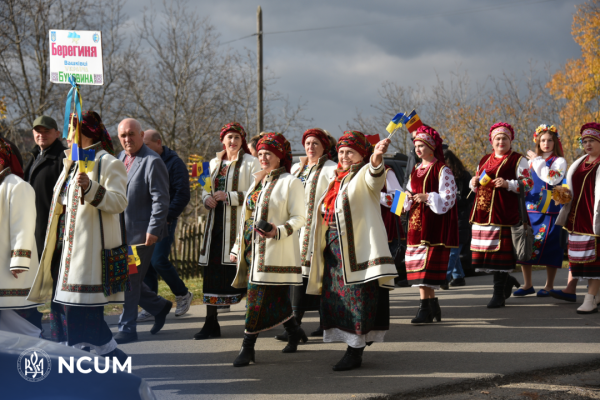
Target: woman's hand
83, 180
16, 272
531, 155
232, 258
220, 196
210, 202
475, 181
500, 183
420, 197
380, 149
269, 235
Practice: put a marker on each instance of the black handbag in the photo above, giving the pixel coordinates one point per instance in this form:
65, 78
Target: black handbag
115, 266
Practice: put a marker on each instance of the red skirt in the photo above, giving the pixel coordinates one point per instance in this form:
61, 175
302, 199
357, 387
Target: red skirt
434, 270
586, 270
501, 260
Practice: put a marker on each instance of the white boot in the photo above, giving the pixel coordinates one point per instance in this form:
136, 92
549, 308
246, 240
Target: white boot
589, 305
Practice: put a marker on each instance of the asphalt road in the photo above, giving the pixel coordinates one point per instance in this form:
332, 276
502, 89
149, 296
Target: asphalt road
471, 342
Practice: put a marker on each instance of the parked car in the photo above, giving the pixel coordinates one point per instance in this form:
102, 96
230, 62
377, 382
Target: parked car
17, 355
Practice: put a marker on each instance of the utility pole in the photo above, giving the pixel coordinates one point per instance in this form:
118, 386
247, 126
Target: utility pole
259, 62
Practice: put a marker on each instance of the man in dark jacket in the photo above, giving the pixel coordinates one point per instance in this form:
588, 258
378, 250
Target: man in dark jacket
43, 171
179, 193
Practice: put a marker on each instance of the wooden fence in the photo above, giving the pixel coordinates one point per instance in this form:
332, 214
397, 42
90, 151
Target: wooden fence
185, 251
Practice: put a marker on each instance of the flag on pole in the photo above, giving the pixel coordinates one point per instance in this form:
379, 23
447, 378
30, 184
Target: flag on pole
414, 122
398, 204
484, 179
85, 158
204, 178
194, 172
396, 122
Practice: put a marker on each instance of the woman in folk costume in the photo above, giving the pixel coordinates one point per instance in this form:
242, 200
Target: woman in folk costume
17, 247
72, 271
351, 266
496, 209
231, 175
315, 171
432, 222
548, 169
580, 217
267, 250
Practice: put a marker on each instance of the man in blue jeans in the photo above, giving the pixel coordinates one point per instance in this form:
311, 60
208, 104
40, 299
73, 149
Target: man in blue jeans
179, 193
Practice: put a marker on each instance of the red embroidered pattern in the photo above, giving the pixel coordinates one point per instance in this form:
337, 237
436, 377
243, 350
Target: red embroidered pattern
20, 253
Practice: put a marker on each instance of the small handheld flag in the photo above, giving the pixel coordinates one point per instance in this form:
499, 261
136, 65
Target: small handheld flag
85, 158
398, 204
565, 184
545, 198
396, 123
194, 173
414, 122
484, 179
204, 178
133, 260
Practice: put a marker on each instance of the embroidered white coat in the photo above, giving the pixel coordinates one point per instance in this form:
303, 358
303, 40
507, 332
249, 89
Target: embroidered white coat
315, 185
238, 180
80, 276
17, 247
275, 261
363, 239
564, 212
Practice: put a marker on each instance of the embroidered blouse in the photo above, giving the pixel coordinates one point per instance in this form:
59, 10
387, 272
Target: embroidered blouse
444, 199
554, 174
221, 178
391, 184
253, 198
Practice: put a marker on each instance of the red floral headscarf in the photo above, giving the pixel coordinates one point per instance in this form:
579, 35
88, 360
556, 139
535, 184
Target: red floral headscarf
9, 160
591, 129
235, 127
502, 128
277, 144
432, 139
93, 128
356, 140
320, 134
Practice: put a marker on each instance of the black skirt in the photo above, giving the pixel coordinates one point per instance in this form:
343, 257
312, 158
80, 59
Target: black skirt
217, 278
302, 301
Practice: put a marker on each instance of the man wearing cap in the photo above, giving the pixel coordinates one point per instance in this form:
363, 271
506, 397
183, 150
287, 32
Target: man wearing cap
43, 171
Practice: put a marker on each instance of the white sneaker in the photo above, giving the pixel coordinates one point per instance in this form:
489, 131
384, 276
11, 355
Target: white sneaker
589, 305
223, 309
183, 303
144, 316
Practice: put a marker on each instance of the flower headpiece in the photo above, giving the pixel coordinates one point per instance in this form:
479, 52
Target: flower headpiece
544, 128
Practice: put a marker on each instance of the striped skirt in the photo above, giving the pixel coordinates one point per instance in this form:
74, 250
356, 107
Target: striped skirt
492, 249
427, 265
583, 257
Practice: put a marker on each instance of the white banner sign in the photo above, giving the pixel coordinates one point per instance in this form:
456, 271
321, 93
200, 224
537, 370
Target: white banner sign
77, 53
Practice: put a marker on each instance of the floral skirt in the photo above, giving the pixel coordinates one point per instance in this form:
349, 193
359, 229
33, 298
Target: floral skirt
266, 305
356, 309
217, 277
547, 249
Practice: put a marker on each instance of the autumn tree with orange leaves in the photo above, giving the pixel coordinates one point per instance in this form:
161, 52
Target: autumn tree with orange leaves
577, 85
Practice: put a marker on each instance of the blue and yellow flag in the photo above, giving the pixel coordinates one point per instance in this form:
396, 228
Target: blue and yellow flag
204, 178
398, 204
85, 158
565, 184
545, 199
396, 122
484, 179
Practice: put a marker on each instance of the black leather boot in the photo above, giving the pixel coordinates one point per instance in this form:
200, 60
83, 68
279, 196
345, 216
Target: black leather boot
211, 329
435, 307
508, 286
284, 335
295, 335
247, 351
425, 313
352, 359
497, 300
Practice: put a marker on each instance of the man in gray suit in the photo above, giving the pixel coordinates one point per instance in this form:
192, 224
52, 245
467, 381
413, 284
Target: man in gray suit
145, 222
